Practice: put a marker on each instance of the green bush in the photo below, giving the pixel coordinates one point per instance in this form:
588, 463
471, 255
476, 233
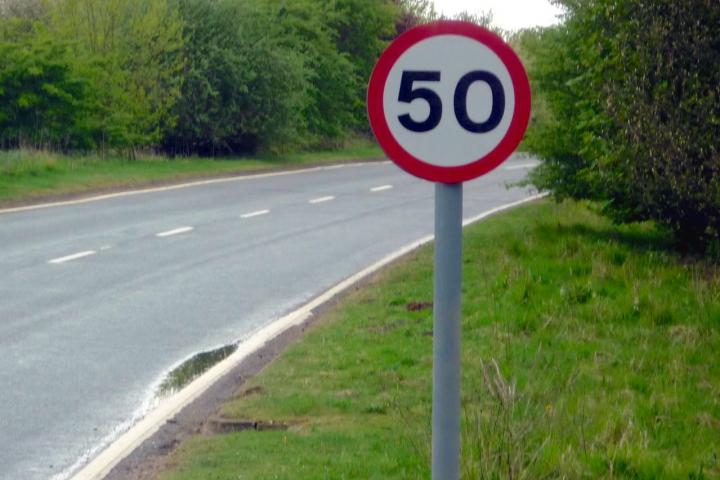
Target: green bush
241, 89
128, 52
629, 93
42, 99
187, 76
87, 73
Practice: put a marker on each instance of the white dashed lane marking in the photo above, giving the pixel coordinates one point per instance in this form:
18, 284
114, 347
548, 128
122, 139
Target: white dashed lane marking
321, 200
74, 256
176, 231
255, 214
381, 188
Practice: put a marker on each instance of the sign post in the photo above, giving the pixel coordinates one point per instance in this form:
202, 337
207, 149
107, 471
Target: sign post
446, 331
448, 102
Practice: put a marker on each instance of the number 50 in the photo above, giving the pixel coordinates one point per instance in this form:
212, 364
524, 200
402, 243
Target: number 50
408, 94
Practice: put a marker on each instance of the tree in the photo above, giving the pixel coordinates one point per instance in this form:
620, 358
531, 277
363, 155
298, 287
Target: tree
632, 88
242, 90
129, 52
361, 29
41, 99
305, 26
414, 13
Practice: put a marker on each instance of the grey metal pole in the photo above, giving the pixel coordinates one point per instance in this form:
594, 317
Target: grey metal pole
446, 332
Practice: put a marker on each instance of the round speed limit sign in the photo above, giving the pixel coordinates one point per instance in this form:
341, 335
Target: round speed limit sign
449, 101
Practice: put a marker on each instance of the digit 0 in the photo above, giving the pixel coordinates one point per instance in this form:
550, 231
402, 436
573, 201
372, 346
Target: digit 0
498, 102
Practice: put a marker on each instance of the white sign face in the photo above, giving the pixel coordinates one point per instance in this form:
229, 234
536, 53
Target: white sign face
452, 57
449, 101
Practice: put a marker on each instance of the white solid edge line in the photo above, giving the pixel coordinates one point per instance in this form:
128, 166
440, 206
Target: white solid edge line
255, 214
133, 438
74, 256
321, 199
381, 188
237, 178
523, 165
175, 231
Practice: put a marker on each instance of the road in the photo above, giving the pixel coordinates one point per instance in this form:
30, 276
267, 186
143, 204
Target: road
99, 299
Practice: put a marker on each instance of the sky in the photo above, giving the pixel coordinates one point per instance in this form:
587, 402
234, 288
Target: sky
507, 14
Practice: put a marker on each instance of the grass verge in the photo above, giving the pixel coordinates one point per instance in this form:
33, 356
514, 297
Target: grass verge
29, 175
589, 351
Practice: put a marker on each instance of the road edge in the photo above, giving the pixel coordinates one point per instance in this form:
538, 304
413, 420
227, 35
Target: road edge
187, 184
112, 455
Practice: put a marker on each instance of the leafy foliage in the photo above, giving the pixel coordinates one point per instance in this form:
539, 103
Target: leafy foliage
41, 98
305, 27
187, 76
242, 90
361, 29
414, 13
128, 51
629, 93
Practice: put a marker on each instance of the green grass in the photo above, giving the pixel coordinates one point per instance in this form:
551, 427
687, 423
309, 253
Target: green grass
589, 351
27, 175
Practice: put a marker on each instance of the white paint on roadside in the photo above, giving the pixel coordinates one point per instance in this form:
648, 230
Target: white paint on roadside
522, 166
105, 247
321, 200
255, 214
74, 256
124, 445
198, 183
381, 188
176, 231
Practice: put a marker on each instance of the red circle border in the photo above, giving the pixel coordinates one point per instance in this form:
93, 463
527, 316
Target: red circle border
481, 166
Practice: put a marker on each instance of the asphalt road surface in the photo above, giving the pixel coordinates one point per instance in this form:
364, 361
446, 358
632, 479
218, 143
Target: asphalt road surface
98, 300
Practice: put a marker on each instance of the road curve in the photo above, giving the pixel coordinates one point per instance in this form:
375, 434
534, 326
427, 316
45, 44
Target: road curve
99, 299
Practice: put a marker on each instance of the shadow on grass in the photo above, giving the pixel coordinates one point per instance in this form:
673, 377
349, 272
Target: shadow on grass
638, 238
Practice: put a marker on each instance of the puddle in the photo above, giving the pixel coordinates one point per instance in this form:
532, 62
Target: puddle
178, 378
192, 368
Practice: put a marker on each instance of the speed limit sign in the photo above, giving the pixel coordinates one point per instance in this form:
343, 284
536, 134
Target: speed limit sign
449, 101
